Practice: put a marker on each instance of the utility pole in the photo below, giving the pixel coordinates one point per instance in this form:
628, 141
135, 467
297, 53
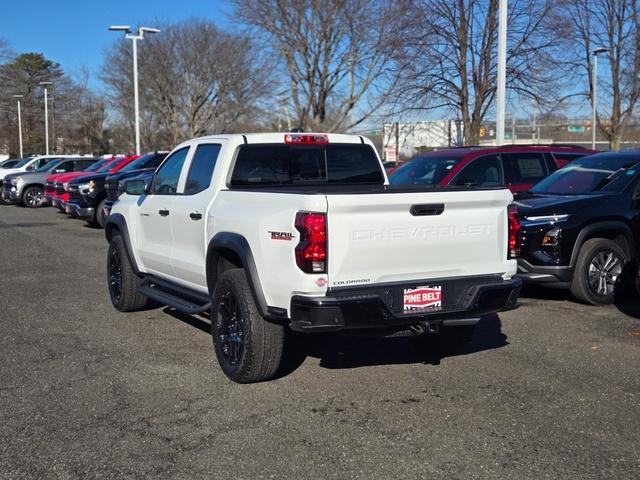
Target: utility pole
46, 117
134, 38
18, 97
502, 71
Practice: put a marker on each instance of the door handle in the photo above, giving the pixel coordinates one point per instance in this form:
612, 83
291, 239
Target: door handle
163, 212
428, 209
195, 216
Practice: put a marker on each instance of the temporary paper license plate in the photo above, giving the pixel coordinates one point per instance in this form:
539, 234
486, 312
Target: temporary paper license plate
423, 298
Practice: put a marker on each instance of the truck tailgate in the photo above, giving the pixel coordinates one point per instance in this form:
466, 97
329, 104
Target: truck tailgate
399, 237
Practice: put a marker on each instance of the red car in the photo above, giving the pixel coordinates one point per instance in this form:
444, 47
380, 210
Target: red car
50, 193
517, 167
55, 193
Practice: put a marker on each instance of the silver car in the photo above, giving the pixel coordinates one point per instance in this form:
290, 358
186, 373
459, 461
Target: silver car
28, 187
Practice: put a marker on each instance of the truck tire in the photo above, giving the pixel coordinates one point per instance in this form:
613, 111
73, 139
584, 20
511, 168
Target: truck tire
32, 197
598, 271
249, 348
100, 219
122, 280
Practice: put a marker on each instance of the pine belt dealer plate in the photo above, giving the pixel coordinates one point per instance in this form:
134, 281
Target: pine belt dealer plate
427, 298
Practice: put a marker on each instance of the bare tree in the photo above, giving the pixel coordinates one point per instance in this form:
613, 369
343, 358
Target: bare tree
335, 54
5, 51
614, 25
194, 80
449, 58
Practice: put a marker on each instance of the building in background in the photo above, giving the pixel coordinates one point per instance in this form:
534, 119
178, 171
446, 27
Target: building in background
404, 140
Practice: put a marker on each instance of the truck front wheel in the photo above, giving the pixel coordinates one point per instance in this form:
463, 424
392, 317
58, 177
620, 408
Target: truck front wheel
122, 280
249, 348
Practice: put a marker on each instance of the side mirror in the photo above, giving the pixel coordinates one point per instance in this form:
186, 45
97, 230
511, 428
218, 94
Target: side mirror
135, 187
59, 170
636, 197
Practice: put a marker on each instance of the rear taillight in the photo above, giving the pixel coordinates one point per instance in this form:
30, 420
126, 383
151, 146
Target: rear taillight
311, 251
514, 232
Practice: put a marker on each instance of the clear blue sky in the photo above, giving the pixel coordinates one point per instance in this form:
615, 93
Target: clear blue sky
74, 32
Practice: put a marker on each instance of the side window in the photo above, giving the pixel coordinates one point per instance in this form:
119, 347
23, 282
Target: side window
157, 160
524, 168
82, 164
166, 179
64, 167
481, 172
201, 169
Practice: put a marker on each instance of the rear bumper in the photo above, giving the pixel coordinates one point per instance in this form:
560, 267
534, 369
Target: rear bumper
373, 307
551, 276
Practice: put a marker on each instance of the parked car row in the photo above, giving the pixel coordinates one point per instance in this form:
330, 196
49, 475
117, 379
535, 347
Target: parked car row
280, 233
78, 185
578, 209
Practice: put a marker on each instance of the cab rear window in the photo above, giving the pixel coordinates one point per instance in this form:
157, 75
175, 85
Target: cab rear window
269, 165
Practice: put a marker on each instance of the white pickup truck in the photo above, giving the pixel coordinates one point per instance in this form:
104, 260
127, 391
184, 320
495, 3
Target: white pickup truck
280, 232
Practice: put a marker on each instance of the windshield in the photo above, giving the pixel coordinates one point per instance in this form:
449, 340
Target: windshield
110, 162
23, 162
596, 173
49, 165
95, 166
139, 163
424, 171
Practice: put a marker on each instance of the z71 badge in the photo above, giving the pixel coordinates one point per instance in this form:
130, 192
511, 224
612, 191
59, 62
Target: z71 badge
288, 236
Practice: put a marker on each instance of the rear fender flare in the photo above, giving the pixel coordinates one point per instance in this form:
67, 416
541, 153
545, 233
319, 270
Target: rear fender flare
238, 244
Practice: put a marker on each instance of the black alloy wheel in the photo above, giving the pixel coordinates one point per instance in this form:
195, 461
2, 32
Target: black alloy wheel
229, 328
115, 275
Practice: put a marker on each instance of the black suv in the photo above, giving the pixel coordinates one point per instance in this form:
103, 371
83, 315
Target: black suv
580, 226
90, 201
113, 184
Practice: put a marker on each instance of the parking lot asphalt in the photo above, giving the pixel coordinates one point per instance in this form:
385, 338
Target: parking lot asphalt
551, 390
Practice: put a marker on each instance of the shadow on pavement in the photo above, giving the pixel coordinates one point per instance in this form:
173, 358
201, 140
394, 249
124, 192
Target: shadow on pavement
546, 293
343, 351
337, 351
626, 300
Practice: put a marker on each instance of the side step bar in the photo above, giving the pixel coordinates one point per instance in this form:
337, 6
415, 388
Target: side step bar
175, 296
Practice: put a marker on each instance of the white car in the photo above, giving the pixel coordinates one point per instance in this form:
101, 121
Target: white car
30, 164
300, 231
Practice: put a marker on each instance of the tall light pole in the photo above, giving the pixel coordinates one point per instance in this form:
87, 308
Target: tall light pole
594, 93
502, 71
18, 97
134, 38
46, 116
